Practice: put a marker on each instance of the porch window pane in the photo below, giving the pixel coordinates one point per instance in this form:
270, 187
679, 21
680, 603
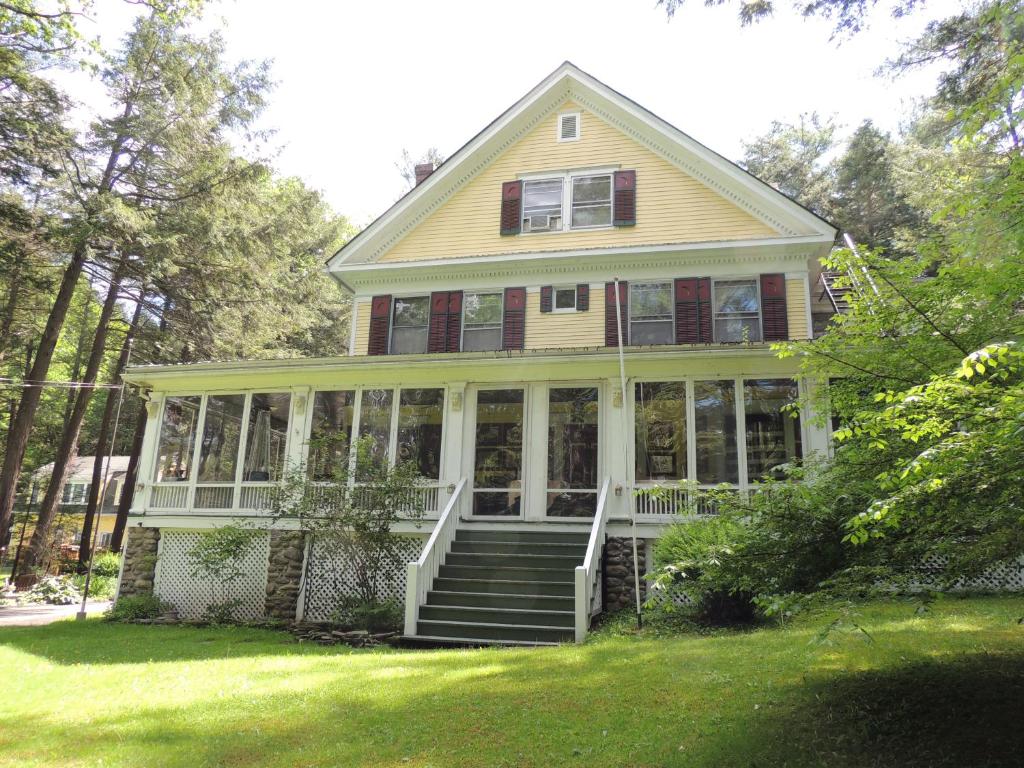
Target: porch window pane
715, 432
737, 311
572, 451
773, 435
331, 434
375, 421
498, 462
266, 436
218, 456
409, 325
177, 437
651, 314
481, 322
420, 419
660, 431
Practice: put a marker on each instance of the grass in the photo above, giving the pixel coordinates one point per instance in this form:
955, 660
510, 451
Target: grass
946, 688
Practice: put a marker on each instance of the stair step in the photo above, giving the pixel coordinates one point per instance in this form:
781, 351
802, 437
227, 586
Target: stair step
541, 602
504, 616
504, 560
504, 586
464, 630
516, 573
522, 537
432, 640
520, 548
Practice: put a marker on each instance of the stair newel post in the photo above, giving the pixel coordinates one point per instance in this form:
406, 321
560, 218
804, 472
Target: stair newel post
582, 608
412, 598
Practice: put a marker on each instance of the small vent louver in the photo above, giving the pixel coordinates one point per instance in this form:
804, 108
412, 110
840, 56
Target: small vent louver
569, 126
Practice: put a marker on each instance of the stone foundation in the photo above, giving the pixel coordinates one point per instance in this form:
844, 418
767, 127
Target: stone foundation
284, 574
139, 562
619, 592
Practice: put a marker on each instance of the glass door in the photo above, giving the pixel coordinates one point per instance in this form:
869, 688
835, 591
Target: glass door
572, 449
498, 453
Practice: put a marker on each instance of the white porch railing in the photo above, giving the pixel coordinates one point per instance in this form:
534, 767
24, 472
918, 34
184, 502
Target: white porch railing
421, 574
588, 573
669, 502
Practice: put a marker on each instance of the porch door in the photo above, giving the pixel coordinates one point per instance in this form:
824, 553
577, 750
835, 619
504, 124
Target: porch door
573, 433
497, 451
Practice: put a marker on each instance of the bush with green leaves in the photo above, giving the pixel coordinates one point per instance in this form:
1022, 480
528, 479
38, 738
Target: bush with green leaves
55, 590
219, 557
371, 615
135, 607
106, 564
101, 587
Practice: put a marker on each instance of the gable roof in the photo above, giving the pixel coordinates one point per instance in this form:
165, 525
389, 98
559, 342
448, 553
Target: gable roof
568, 81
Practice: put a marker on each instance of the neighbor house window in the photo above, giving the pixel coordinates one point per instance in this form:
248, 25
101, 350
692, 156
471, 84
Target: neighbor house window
75, 493
737, 311
715, 432
660, 431
481, 322
410, 317
331, 433
266, 436
542, 205
650, 313
773, 433
177, 438
591, 201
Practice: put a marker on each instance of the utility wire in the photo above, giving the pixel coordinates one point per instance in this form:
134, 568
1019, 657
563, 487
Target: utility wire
29, 384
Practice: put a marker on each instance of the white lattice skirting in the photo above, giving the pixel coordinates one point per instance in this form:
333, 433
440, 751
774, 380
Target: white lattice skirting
193, 595
329, 578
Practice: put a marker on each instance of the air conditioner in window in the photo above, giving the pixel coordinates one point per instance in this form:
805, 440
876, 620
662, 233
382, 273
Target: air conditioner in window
541, 222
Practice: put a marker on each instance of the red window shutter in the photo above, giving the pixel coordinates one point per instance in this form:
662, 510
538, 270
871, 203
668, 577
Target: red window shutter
437, 335
513, 332
583, 297
511, 207
704, 310
625, 199
380, 321
454, 321
611, 332
693, 310
774, 317
545, 298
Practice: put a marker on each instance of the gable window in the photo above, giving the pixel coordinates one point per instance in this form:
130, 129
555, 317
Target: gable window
542, 205
591, 201
737, 310
481, 322
650, 314
410, 317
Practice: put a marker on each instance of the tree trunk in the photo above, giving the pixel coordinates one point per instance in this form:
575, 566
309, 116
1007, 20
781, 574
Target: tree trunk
22, 424
130, 479
98, 489
69, 439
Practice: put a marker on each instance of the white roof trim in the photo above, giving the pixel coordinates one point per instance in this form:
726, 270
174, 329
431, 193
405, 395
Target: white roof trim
569, 82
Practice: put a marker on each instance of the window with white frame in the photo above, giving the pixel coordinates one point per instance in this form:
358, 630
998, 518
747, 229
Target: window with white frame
409, 321
542, 205
591, 201
564, 300
75, 493
481, 321
177, 439
737, 310
651, 317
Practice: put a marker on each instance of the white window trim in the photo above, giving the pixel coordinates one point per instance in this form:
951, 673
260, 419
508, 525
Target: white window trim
567, 176
630, 304
555, 309
714, 305
579, 126
391, 322
501, 323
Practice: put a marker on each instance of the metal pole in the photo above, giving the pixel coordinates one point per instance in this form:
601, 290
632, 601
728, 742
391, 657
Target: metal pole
625, 456
103, 491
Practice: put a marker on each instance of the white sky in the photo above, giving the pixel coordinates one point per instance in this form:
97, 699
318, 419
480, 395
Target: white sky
359, 81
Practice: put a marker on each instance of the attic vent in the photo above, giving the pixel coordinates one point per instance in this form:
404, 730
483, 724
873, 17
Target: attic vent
569, 126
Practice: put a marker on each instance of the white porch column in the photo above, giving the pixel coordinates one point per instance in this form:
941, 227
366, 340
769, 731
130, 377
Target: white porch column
454, 465
301, 413
616, 451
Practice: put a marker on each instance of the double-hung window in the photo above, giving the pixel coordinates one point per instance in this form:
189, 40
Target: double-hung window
542, 205
481, 322
737, 310
409, 320
588, 198
591, 201
651, 318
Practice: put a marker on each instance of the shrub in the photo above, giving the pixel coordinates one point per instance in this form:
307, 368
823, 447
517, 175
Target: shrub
134, 607
101, 587
371, 615
222, 612
55, 590
106, 564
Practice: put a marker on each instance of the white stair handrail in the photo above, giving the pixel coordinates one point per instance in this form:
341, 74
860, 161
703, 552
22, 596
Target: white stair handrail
586, 574
421, 574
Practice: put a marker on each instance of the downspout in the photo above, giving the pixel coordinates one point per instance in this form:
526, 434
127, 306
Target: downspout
625, 456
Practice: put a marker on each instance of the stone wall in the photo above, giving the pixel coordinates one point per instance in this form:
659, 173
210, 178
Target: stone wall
619, 588
284, 573
139, 562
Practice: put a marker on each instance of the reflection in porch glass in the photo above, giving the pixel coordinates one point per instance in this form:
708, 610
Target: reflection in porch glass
715, 432
498, 463
420, 417
218, 456
660, 430
266, 436
773, 436
330, 434
177, 436
572, 451
375, 421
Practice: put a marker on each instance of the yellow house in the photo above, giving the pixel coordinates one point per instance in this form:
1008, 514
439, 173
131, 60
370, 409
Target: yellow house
577, 306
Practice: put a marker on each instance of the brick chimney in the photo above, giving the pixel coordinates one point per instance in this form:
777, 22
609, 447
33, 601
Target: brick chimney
422, 171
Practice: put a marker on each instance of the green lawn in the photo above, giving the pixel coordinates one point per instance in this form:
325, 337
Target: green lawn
943, 689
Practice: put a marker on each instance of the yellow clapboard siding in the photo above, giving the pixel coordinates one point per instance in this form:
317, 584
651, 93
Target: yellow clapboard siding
362, 340
796, 309
672, 207
550, 330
